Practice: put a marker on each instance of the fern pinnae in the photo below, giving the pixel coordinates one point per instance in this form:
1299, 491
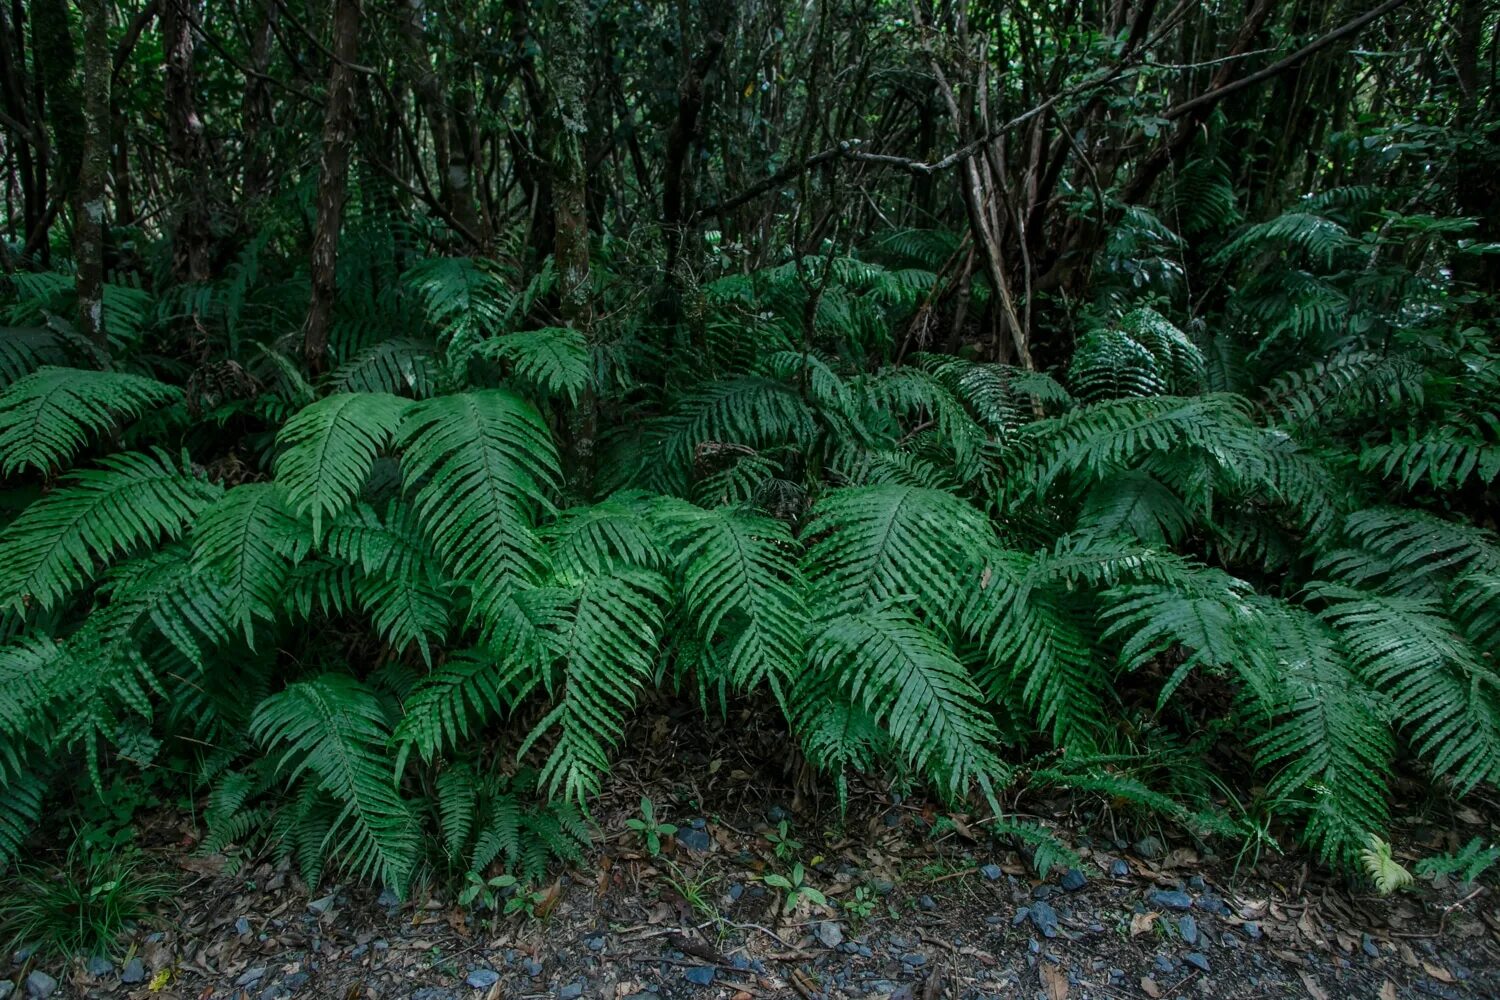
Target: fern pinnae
48, 415
329, 447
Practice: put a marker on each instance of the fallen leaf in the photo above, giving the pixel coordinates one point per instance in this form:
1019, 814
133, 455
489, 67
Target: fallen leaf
1313, 989
1149, 987
1388, 991
1055, 981
1437, 972
1142, 923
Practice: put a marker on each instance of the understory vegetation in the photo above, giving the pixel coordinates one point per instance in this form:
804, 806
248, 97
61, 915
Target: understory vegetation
370, 559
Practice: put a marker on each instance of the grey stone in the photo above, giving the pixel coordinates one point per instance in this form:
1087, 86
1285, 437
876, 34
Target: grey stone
1252, 930
1170, 900
594, 942
916, 959
1044, 918
40, 985
991, 872
1187, 927
531, 967
828, 933
1149, 847
1164, 964
251, 975
699, 975
1022, 915
296, 980
927, 903
1197, 960
321, 906
482, 979
1120, 869
1073, 880
388, 899
695, 840
736, 891
6, 989
572, 991
99, 966
134, 972
776, 814
242, 926
1368, 945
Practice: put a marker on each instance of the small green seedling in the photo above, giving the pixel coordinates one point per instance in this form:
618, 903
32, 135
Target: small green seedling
796, 888
782, 843
648, 829
487, 894
860, 906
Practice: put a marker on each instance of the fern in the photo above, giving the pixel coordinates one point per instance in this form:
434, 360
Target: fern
331, 728
481, 466
907, 678
329, 448
59, 543
47, 416
248, 541
554, 360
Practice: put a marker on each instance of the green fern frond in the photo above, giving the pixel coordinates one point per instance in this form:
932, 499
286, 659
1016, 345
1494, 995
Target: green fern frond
555, 360
741, 586
482, 466
47, 416
873, 544
61, 541
248, 541
21, 801
1329, 744
397, 582
1437, 685
333, 728
397, 366
610, 640
907, 677
329, 448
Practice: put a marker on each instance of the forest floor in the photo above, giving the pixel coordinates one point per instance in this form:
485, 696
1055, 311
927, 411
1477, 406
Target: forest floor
1146, 915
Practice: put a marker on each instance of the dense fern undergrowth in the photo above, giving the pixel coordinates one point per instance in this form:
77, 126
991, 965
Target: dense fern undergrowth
397, 620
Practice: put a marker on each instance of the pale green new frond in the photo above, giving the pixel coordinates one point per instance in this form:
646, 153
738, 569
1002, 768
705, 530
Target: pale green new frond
878, 543
481, 465
47, 416
741, 586
248, 541
907, 677
61, 541
1438, 686
334, 729
329, 448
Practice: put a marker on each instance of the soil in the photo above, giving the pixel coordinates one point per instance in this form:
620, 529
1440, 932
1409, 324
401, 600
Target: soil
921, 904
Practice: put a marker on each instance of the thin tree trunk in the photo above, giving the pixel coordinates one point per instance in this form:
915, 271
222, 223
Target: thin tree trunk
333, 177
88, 191
191, 237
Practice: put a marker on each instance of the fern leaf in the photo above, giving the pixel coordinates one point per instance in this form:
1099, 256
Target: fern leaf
248, 540
47, 416
58, 543
552, 361
907, 677
329, 448
482, 465
879, 543
333, 728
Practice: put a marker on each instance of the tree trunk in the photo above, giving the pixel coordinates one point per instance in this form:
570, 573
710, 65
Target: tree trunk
191, 237
333, 176
88, 191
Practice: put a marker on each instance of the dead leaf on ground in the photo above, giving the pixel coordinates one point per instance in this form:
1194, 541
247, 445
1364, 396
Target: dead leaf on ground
1149, 987
1141, 923
1055, 981
1437, 972
1388, 991
1313, 989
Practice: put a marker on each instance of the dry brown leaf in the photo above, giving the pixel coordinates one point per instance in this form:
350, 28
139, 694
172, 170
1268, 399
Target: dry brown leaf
1149, 987
1437, 972
1388, 991
1054, 981
1142, 923
1313, 989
